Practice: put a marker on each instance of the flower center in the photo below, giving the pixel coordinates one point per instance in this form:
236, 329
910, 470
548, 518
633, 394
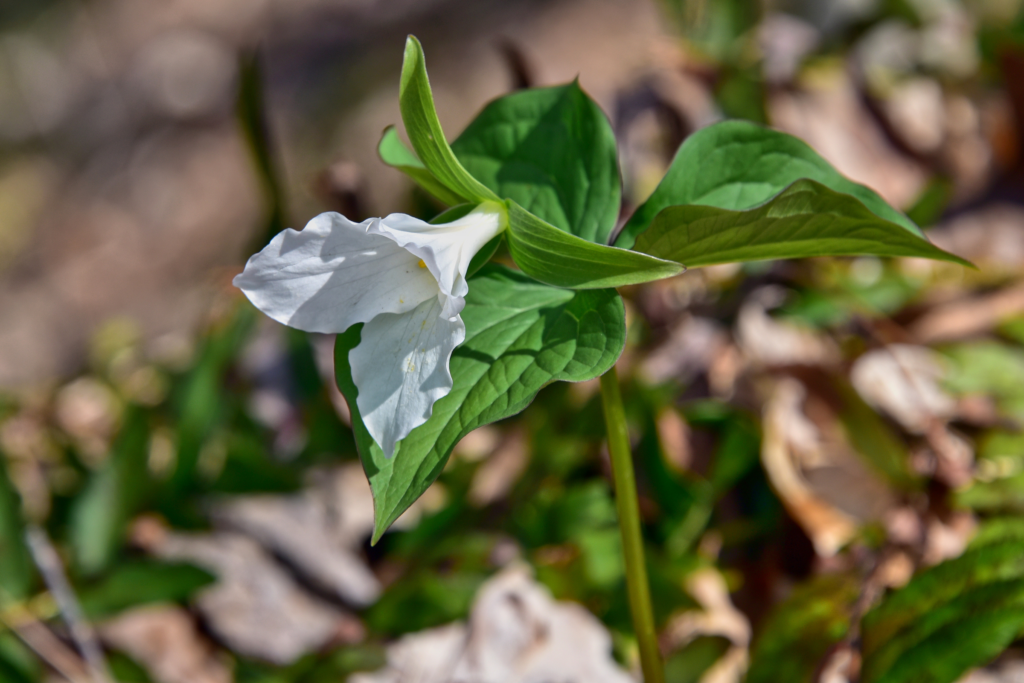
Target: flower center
422, 264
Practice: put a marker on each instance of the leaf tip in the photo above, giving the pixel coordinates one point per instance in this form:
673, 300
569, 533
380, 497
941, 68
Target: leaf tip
388, 130
966, 264
412, 60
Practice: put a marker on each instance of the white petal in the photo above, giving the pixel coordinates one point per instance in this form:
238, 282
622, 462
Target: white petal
447, 248
401, 368
332, 274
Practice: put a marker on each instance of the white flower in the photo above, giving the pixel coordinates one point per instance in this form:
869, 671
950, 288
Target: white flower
404, 278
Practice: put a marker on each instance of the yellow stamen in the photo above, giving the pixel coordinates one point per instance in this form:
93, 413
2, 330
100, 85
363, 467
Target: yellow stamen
422, 264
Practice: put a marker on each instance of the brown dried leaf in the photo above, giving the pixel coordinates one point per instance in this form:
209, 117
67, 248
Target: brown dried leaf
903, 380
308, 532
689, 350
499, 473
719, 617
822, 482
971, 316
831, 117
165, 641
516, 634
255, 607
769, 342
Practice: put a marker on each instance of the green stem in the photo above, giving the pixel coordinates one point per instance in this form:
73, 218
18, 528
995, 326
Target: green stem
629, 525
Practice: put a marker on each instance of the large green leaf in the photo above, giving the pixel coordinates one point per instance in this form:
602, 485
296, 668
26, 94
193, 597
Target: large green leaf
16, 569
520, 335
552, 151
421, 123
558, 258
737, 165
395, 154
949, 618
806, 219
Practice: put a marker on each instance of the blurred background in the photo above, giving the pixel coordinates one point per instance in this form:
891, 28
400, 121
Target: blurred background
180, 497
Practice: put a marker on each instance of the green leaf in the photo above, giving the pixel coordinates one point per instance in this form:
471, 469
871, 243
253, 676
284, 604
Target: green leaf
998, 530
101, 512
425, 600
16, 567
558, 258
520, 336
949, 618
394, 153
18, 664
138, 583
251, 111
689, 664
806, 219
999, 484
945, 642
421, 123
799, 632
203, 399
737, 165
989, 368
1005, 494
874, 439
551, 150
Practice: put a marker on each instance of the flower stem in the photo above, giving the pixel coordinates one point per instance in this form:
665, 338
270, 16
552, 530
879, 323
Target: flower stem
629, 525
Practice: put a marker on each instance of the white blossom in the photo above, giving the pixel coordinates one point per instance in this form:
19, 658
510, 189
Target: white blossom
404, 278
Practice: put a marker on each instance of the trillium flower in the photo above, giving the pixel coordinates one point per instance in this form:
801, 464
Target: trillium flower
404, 278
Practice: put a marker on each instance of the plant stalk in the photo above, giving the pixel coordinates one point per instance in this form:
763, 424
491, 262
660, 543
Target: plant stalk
637, 585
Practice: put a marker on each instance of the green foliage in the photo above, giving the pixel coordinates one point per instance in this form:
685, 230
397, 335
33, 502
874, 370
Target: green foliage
805, 219
429, 599
949, 618
1000, 486
583, 516
801, 630
839, 295
561, 259
874, 439
395, 154
520, 335
328, 667
102, 511
202, 401
998, 530
737, 165
16, 569
735, 192
131, 584
17, 664
689, 664
990, 368
251, 112
126, 670
247, 468
553, 152
421, 123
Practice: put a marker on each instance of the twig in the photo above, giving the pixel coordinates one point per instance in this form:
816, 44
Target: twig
82, 632
31, 631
